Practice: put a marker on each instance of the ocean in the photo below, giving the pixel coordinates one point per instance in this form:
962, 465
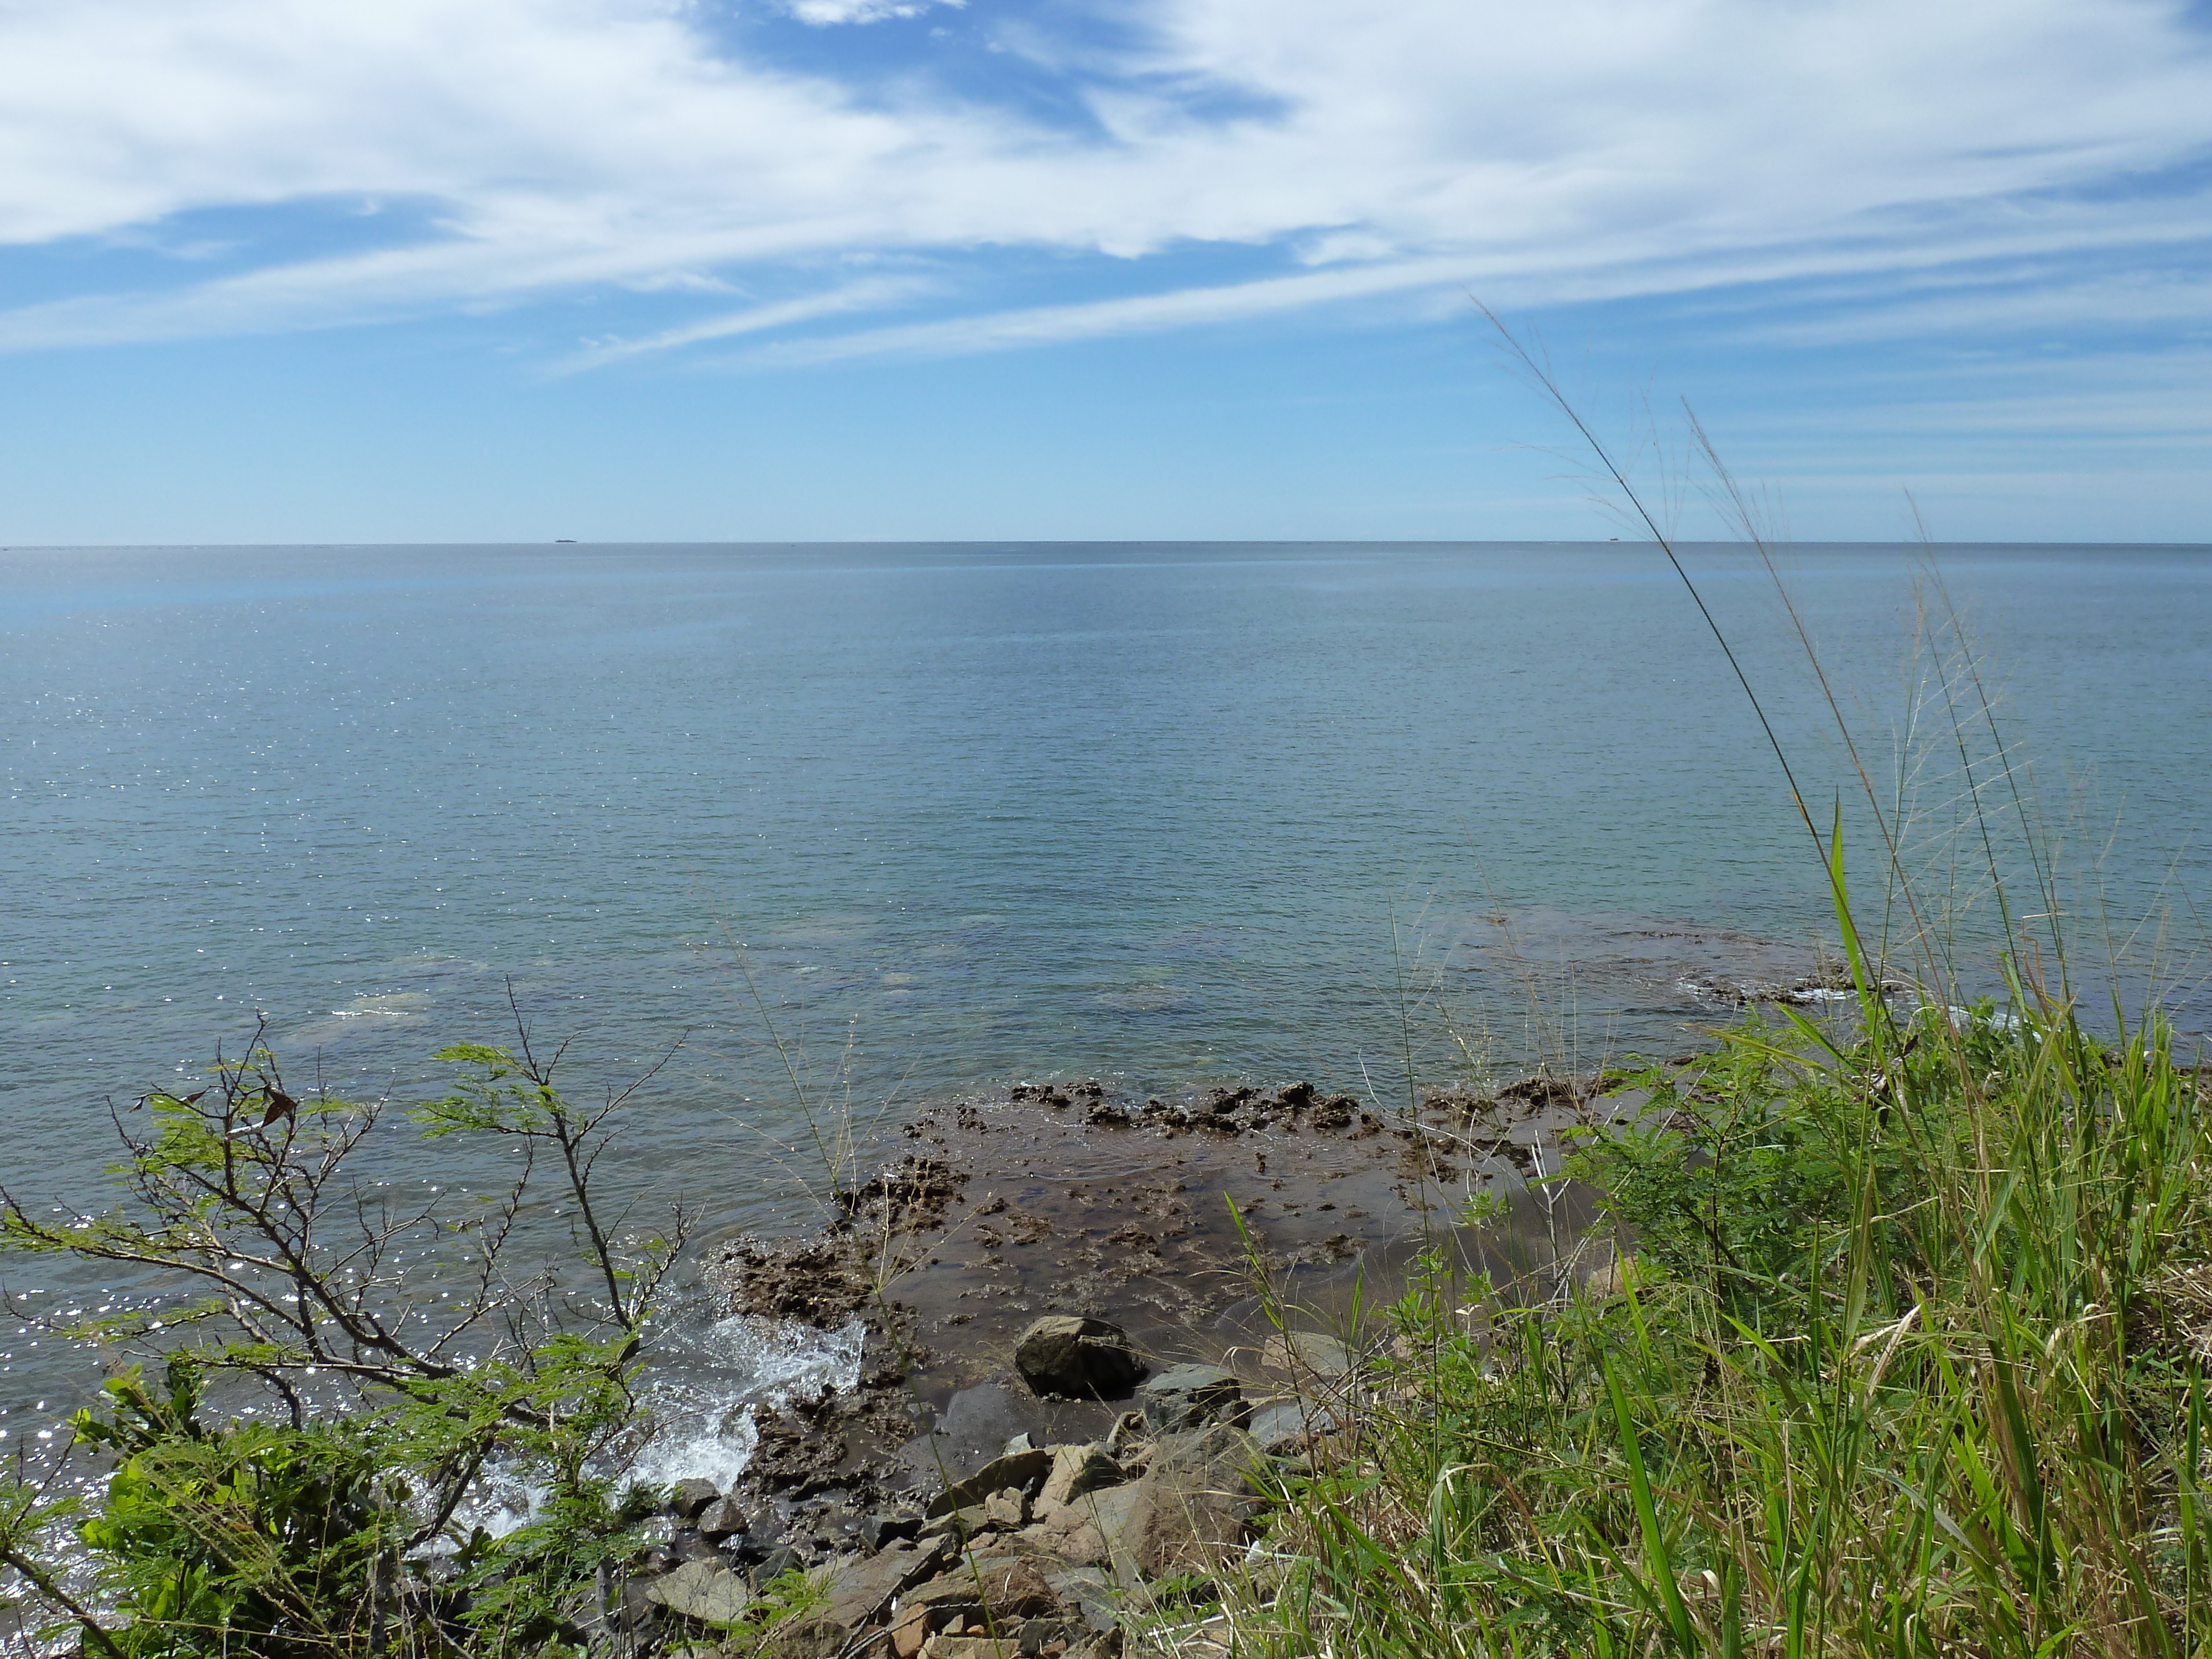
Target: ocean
879, 824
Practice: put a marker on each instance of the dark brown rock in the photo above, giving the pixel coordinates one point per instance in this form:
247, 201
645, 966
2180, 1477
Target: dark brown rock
719, 1520
688, 1498
1079, 1358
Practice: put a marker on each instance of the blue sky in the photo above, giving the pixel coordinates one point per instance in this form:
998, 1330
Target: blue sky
508, 269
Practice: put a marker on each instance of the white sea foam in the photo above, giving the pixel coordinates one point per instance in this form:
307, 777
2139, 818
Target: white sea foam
705, 1415
701, 1408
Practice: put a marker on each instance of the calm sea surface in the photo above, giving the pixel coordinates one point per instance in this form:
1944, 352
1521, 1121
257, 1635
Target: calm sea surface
963, 814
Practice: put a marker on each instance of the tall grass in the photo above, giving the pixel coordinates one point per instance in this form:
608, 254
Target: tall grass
1907, 1361
1905, 1354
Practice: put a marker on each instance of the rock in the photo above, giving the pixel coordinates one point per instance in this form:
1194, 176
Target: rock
1020, 1443
1091, 1593
1082, 1358
632, 1624
810, 1639
687, 1498
1023, 1470
1008, 1507
705, 1590
721, 1519
909, 1629
877, 1530
775, 1563
1191, 1507
1004, 1592
859, 1588
970, 1647
1077, 1470
1334, 1113
1128, 1435
959, 1525
1284, 1430
1306, 1352
1067, 1536
1609, 1281
973, 1431
1189, 1397
1110, 1515
692, 1546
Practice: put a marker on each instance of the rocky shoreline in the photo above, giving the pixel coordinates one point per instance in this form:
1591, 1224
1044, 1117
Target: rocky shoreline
1098, 1333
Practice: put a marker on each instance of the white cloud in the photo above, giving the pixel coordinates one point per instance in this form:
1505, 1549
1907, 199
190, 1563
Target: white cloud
1587, 145
853, 296
821, 13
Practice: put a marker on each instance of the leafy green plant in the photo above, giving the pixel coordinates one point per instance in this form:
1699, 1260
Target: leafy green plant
257, 1536
376, 1358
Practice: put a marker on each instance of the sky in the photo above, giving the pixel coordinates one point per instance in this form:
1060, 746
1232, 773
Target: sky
424, 270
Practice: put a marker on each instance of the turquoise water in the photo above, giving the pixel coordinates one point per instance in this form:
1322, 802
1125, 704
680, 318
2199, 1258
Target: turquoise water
1150, 809
1164, 813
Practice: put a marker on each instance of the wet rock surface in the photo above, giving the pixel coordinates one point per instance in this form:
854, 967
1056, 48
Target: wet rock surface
1067, 1386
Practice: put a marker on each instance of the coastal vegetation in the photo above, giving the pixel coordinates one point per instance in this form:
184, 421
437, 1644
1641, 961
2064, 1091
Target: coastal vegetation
1904, 1355
338, 1368
1900, 1342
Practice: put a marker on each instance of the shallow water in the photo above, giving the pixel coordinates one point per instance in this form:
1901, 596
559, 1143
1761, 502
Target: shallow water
947, 816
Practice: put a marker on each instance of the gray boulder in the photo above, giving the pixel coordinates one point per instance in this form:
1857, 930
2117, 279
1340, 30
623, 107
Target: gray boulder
856, 1590
1306, 1354
1079, 1358
1090, 1593
1285, 1430
704, 1591
719, 1520
1190, 1397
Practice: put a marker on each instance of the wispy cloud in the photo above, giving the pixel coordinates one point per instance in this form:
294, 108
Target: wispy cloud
1188, 308
1612, 146
853, 296
825, 13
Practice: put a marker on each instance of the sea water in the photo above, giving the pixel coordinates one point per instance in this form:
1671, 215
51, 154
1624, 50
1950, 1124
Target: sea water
855, 826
